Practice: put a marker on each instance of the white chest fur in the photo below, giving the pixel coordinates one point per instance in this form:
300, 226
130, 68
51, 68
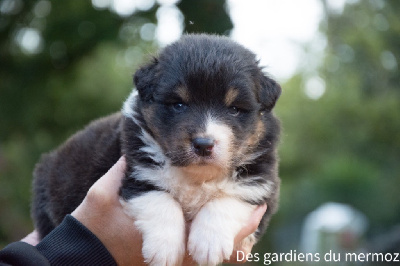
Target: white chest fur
190, 192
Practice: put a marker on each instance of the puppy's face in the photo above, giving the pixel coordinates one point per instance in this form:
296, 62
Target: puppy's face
206, 102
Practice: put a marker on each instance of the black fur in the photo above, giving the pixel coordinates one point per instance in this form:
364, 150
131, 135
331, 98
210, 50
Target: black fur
206, 67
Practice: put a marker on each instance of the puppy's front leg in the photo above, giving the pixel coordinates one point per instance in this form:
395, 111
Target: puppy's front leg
160, 219
212, 233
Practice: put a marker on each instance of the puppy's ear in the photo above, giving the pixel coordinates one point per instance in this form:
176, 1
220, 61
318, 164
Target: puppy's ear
269, 92
145, 80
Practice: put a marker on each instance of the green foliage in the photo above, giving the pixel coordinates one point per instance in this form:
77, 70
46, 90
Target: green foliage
345, 146
210, 18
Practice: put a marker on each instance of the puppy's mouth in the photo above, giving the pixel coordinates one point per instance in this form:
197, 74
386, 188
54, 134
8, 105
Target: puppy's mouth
202, 159
205, 161
204, 167
191, 158
200, 151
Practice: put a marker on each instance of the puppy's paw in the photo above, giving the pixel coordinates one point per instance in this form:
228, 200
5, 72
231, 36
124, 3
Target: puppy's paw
160, 250
160, 220
213, 231
209, 247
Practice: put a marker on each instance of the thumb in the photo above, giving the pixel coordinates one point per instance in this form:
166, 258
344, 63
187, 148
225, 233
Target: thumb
114, 175
110, 182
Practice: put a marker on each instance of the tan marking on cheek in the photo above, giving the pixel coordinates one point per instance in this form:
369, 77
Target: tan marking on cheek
257, 135
148, 114
230, 96
183, 92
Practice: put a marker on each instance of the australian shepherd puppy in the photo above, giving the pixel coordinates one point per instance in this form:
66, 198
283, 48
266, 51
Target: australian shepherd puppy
199, 138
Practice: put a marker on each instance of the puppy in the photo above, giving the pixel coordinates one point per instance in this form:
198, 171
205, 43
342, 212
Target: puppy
199, 137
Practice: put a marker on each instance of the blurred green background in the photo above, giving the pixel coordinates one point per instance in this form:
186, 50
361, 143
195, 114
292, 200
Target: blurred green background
64, 63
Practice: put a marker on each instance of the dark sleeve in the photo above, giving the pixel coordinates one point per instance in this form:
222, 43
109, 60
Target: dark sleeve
21, 253
70, 243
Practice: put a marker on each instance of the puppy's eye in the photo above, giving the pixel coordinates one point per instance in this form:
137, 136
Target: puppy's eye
234, 111
179, 107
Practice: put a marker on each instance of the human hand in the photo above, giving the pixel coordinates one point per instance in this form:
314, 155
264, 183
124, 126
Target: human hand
32, 238
102, 213
248, 229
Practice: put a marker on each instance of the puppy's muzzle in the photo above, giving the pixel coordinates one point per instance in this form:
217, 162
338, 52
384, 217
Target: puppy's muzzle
203, 146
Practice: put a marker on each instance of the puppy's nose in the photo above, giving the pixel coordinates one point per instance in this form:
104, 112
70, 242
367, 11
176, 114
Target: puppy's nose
203, 146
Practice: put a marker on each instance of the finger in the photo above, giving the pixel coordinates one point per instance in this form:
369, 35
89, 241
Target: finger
252, 223
32, 238
112, 179
239, 256
245, 247
103, 194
